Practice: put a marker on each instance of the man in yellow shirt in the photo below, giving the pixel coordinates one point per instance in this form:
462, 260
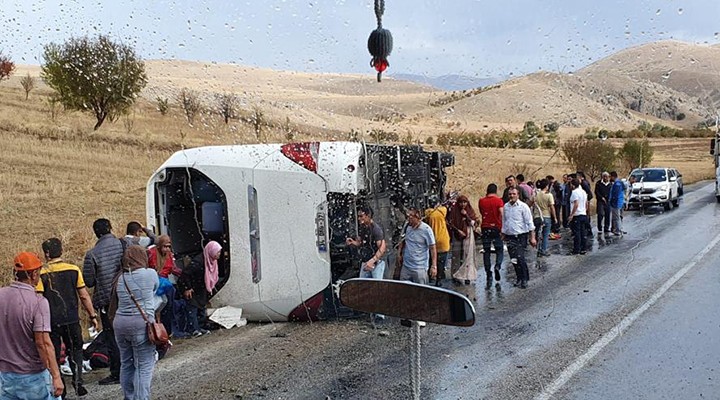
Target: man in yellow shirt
435, 216
63, 286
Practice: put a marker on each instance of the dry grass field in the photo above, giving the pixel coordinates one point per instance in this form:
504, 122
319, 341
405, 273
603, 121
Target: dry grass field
57, 175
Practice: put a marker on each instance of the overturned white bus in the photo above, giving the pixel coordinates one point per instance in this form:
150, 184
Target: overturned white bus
282, 213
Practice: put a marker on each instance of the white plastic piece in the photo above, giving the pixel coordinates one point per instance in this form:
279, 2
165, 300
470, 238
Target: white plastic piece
228, 317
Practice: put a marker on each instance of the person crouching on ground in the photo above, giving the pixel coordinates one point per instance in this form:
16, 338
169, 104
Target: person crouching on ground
28, 369
197, 281
516, 227
135, 289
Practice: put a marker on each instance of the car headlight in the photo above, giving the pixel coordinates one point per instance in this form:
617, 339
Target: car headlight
663, 188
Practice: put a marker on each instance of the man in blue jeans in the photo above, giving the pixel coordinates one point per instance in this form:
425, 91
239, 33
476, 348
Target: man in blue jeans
28, 369
371, 247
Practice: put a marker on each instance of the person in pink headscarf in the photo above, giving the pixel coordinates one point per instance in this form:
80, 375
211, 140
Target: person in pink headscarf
197, 281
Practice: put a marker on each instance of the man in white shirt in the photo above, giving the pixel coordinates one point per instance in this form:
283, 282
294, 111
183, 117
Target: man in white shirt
578, 216
517, 225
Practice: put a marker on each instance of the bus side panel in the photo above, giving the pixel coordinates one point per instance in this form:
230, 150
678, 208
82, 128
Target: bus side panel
293, 268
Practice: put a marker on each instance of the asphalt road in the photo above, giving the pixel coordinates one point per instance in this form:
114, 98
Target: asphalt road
575, 333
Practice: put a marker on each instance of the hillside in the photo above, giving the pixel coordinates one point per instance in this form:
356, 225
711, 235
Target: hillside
669, 82
691, 69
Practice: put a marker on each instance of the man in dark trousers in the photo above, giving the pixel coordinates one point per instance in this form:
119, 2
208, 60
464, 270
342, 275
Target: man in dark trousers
101, 264
62, 285
491, 209
602, 196
517, 226
585, 185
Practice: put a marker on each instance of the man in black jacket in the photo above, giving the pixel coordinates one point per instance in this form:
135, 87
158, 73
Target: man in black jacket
602, 195
100, 267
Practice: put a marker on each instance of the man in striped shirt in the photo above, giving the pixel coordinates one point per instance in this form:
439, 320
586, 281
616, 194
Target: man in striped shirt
517, 225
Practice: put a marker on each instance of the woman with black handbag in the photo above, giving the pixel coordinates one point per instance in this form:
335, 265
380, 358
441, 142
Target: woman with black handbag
135, 312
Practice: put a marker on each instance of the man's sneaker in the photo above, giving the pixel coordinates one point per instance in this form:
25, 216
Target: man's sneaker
422, 324
110, 380
197, 333
497, 274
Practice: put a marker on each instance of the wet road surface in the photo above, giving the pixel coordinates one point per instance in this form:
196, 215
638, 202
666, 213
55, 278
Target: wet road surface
522, 342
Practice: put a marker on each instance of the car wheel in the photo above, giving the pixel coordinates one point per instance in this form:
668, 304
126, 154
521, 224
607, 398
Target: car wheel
676, 203
667, 205
717, 198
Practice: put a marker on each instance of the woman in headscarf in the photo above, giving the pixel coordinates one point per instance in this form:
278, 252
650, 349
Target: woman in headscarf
461, 222
161, 259
197, 281
137, 354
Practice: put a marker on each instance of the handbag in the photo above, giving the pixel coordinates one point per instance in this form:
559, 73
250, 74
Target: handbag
537, 220
156, 332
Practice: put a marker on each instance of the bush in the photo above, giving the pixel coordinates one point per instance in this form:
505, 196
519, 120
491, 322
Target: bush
429, 140
7, 67
636, 154
590, 155
94, 75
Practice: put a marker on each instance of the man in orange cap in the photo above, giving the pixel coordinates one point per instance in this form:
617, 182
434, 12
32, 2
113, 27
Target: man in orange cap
28, 368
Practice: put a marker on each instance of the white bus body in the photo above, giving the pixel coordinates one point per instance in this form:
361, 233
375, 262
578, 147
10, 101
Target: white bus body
282, 212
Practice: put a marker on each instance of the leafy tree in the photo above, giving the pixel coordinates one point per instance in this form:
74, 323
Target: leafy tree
94, 75
228, 104
590, 155
636, 154
163, 105
190, 103
257, 119
28, 84
7, 67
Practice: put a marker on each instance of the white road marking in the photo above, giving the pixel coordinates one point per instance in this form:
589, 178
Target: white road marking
621, 327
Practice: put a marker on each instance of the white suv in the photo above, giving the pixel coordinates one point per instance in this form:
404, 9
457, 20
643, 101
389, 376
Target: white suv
656, 186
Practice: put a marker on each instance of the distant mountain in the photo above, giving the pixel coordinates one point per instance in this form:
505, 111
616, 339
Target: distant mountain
448, 82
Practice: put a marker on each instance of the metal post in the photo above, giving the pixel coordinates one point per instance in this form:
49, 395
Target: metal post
415, 360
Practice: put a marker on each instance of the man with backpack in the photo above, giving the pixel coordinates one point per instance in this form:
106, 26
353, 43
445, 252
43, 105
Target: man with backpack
100, 267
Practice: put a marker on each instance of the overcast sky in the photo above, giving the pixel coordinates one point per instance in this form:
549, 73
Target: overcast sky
469, 37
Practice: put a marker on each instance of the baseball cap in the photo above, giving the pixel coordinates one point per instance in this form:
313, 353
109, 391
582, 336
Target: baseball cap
27, 261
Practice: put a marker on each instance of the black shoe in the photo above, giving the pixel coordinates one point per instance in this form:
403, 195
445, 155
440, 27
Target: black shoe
467, 281
80, 390
110, 380
523, 285
497, 274
583, 252
488, 283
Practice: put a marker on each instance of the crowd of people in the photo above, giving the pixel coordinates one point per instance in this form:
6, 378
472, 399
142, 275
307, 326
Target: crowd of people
454, 233
135, 281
